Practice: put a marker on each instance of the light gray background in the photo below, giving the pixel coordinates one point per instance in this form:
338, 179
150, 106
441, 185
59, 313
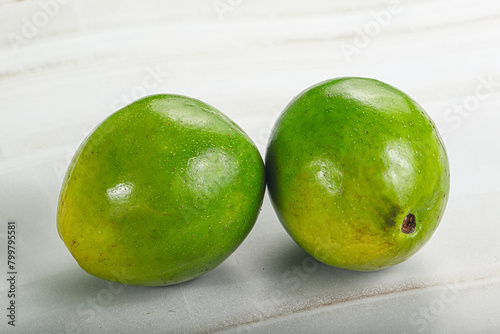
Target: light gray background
66, 65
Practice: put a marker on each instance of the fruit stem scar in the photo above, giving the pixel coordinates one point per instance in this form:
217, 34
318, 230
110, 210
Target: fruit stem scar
409, 224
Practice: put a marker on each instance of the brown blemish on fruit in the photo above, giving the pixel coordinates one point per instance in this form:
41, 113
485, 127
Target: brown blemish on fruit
409, 224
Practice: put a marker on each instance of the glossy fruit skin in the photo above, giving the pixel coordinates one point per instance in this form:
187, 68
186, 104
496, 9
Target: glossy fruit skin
161, 192
347, 161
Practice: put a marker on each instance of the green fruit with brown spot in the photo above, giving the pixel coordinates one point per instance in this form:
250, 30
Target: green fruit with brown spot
161, 192
357, 173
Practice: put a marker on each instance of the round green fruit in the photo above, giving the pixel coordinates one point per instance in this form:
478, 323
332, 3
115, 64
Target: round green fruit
161, 192
357, 173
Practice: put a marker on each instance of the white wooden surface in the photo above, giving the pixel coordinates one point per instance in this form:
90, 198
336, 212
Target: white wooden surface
66, 65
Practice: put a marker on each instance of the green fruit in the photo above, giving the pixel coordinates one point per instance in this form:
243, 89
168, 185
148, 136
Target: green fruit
161, 192
357, 173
